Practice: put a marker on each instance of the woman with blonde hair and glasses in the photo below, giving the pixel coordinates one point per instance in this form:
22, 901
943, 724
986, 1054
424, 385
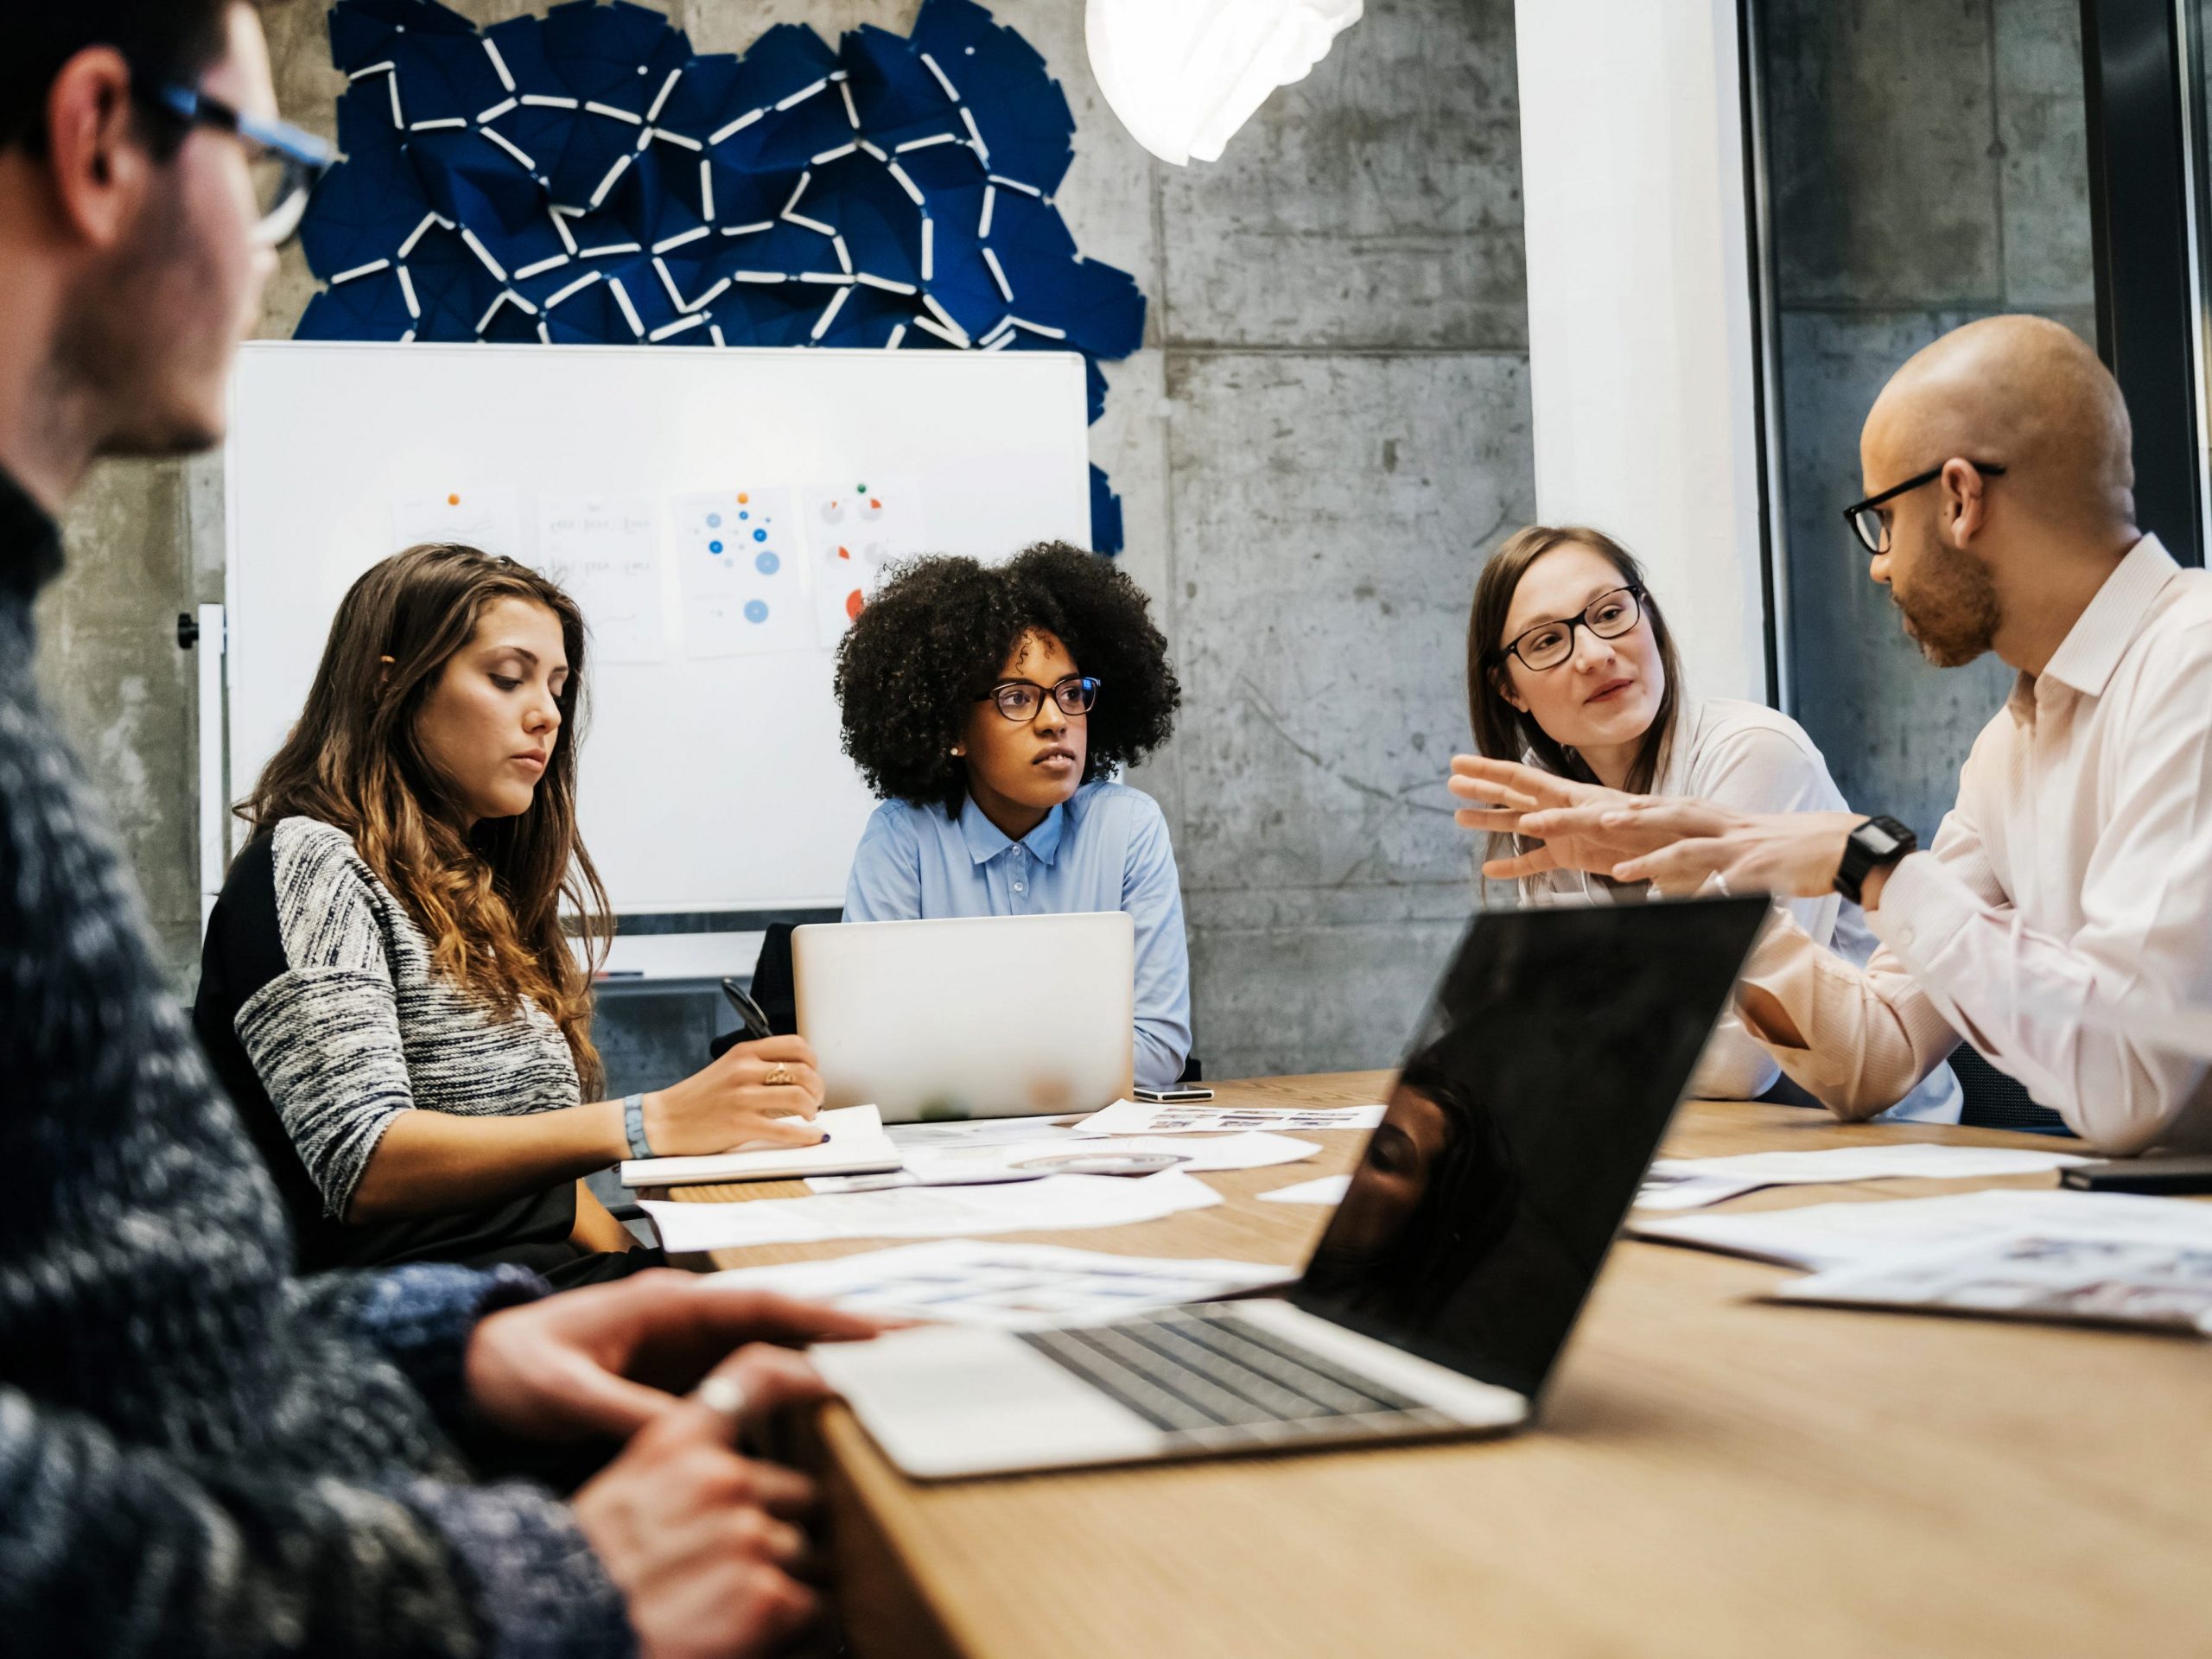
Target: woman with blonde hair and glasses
1574, 688
389, 988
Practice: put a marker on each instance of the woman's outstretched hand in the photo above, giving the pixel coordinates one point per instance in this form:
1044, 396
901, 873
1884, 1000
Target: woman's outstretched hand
764, 1092
1510, 800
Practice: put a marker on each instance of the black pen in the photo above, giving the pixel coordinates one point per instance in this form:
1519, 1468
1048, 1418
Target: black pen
748, 1011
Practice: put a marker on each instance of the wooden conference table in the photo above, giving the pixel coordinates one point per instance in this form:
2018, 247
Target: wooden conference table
1712, 1476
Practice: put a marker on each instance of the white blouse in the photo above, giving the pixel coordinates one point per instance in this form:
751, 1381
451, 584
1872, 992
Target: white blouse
1746, 756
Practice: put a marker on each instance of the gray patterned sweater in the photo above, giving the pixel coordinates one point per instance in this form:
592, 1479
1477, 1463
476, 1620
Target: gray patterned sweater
358, 1027
200, 1454
325, 1020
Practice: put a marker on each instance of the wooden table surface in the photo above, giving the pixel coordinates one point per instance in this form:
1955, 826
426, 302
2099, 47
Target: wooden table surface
1711, 1475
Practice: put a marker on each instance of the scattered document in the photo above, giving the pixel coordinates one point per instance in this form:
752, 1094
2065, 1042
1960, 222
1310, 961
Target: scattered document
852, 1140
958, 1164
964, 1281
1323, 1189
980, 1132
471, 515
1136, 1117
1056, 1203
1688, 1183
1669, 1189
605, 551
2068, 1278
1847, 1234
744, 584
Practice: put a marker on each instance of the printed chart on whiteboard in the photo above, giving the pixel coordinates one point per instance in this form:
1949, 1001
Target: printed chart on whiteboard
856, 529
605, 552
465, 512
744, 581
760, 567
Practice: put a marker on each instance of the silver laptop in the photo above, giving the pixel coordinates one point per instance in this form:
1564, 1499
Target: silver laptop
1439, 1300
990, 1016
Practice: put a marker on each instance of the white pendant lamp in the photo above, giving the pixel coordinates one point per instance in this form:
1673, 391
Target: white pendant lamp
1184, 74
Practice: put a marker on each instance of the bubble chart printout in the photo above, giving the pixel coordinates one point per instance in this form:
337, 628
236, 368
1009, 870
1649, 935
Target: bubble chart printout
744, 584
605, 551
855, 529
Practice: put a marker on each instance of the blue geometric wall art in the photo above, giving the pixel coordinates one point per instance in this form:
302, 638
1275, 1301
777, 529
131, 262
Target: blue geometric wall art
586, 178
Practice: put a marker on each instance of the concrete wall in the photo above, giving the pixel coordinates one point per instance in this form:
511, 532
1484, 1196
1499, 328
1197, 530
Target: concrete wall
1325, 432
1927, 167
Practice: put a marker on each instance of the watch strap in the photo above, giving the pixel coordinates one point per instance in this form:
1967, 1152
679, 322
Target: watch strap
1864, 853
633, 1125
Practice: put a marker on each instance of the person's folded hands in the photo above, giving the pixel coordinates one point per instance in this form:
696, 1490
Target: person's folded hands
606, 1359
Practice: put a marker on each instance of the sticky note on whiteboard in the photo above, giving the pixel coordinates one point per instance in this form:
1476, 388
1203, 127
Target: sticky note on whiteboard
473, 515
853, 529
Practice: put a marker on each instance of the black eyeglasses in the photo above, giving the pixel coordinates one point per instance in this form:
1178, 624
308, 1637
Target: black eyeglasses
1866, 519
1548, 644
286, 162
1019, 700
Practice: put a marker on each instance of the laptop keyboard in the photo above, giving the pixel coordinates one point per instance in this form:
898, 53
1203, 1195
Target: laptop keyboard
1214, 1378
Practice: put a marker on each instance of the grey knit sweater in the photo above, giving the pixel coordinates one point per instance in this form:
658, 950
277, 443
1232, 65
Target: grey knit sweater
199, 1453
358, 1027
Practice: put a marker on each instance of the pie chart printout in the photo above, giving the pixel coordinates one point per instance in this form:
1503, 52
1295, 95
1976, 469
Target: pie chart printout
856, 528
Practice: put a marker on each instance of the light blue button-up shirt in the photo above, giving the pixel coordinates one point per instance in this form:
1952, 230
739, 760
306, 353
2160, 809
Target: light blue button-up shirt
1106, 849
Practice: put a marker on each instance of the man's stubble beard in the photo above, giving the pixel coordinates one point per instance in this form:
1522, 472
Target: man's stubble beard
1953, 614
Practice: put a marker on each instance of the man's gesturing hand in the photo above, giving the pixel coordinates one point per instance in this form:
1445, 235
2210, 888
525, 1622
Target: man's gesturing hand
701, 1542
606, 1359
1696, 843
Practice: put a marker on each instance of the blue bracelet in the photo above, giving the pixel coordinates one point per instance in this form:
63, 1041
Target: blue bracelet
633, 1125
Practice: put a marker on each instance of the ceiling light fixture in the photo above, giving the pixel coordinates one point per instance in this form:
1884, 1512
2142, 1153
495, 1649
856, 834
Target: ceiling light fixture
1183, 75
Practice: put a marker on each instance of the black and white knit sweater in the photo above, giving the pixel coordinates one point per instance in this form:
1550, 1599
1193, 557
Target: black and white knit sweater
200, 1454
325, 1019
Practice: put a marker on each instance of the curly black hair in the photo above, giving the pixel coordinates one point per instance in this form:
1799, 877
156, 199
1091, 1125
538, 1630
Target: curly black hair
934, 639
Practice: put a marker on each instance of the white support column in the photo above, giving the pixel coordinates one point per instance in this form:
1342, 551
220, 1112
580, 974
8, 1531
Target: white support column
1640, 323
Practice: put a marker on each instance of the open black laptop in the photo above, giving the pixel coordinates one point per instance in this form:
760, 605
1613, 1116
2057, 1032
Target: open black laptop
1437, 1302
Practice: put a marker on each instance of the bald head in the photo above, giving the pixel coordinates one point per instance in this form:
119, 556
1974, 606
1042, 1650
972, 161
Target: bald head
2021, 391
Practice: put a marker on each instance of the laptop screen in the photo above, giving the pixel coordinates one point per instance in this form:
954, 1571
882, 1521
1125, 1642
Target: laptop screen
1530, 1104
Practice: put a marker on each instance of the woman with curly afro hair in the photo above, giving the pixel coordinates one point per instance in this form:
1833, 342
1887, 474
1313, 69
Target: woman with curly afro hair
987, 706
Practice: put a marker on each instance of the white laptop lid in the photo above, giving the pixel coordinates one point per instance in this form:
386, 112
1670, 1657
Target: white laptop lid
987, 1016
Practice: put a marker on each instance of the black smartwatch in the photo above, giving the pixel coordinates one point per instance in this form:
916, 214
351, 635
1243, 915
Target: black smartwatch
1874, 844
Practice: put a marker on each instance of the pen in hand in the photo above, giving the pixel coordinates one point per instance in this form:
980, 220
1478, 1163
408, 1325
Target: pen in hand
755, 1022
748, 1011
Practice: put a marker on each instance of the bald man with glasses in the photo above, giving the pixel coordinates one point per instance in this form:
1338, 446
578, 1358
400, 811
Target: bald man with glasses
2075, 872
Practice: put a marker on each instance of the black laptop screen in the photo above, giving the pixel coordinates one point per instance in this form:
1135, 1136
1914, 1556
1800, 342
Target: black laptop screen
1533, 1099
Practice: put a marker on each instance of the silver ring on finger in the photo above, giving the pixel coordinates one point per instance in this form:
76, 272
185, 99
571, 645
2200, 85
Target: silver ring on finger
1721, 882
779, 1075
722, 1395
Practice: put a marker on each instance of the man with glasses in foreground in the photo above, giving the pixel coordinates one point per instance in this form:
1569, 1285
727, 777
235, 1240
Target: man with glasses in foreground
2077, 868
200, 1454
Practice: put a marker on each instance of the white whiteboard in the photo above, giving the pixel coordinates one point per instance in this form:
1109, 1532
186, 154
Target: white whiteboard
713, 784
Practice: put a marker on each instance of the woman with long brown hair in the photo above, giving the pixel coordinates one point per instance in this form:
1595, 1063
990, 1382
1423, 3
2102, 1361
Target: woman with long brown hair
1572, 674
389, 988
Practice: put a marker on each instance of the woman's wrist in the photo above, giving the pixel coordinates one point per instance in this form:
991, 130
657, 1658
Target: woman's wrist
607, 1137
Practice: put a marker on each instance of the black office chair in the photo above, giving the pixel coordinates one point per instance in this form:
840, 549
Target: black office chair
773, 987
1995, 1100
